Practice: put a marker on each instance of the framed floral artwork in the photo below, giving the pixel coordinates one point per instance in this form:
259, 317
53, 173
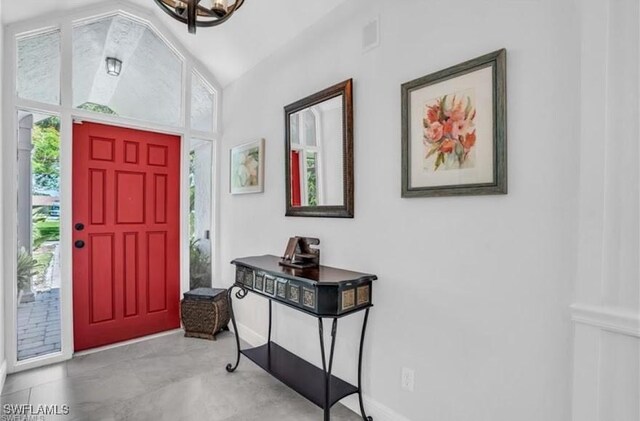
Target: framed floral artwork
454, 130
247, 168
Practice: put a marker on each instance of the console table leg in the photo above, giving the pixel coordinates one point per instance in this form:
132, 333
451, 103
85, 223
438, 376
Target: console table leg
269, 337
240, 295
270, 321
364, 329
327, 370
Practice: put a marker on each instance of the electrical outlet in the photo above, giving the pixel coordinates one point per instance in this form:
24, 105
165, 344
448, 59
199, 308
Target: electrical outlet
408, 379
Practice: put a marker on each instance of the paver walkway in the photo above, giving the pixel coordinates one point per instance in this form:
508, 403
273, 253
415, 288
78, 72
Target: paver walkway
39, 325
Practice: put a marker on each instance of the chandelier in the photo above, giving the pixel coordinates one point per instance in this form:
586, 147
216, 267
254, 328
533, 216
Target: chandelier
200, 12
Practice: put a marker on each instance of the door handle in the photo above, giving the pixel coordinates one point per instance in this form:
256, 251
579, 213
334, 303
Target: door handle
79, 226
79, 244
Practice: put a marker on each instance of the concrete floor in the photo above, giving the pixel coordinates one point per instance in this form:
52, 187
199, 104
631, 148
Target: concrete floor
167, 378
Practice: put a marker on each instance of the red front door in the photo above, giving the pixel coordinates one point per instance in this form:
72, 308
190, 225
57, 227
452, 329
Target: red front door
126, 234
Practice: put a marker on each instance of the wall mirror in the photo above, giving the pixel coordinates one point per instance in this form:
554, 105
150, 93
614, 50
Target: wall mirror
319, 154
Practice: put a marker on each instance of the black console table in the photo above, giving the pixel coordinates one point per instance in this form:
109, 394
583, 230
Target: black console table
322, 292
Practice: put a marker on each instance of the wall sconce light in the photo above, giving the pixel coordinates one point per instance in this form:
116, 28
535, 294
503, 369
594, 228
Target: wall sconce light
114, 66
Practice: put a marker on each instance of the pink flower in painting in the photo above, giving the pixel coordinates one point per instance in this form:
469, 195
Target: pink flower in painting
456, 113
433, 113
449, 129
447, 146
457, 127
469, 141
434, 132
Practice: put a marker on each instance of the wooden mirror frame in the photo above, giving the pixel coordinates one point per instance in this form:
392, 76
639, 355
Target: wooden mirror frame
331, 211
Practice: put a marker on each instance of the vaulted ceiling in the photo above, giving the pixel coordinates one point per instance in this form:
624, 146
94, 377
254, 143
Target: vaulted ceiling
257, 30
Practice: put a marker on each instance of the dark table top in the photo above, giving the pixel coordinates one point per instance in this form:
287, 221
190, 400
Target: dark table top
321, 275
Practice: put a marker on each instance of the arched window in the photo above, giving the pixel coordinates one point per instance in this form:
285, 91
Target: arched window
100, 65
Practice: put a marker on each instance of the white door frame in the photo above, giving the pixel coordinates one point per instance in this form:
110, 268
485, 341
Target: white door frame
11, 104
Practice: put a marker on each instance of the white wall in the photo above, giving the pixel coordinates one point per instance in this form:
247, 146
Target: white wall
473, 292
606, 310
3, 361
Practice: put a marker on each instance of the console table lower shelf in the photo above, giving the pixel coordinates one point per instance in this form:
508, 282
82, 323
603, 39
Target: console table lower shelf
318, 385
300, 375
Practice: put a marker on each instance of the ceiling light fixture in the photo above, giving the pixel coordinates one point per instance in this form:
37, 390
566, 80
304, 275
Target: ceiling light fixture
200, 12
114, 66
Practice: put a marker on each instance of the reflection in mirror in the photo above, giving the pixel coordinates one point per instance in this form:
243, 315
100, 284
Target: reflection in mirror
316, 157
319, 154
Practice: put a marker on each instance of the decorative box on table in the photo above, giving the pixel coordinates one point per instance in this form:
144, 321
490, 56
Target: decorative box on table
205, 312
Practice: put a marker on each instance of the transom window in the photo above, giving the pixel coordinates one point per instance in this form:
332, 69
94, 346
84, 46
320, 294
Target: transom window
148, 84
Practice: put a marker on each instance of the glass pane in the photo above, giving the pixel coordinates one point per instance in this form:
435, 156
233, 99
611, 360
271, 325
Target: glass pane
309, 122
200, 190
295, 128
148, 85
38, 76
202, 100
38, 235
312, 179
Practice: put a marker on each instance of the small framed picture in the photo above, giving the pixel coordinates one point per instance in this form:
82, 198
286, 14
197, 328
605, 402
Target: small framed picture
259, 282
348, 299
454, 130
309, 297
248, 278
247, 168
363, 295
294, 293
281, 289
269, 285
239, 276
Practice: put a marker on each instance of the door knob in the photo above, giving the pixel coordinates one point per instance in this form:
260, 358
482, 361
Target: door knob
79, 244
79, 226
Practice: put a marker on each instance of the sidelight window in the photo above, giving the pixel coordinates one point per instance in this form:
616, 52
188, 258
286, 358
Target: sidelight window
38, 216
200, 195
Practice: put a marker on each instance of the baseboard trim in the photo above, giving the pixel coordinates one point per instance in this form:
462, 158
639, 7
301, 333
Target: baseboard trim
129, 342
375, 409
611, 319
3, 374
250, 336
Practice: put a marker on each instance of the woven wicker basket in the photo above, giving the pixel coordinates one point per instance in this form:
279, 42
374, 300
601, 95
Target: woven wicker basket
205, 317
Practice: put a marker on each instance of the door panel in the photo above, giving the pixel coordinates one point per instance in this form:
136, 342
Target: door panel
126, 192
